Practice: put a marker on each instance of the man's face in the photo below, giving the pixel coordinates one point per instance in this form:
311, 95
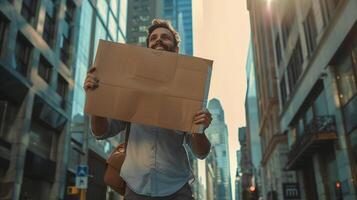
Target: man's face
162, 39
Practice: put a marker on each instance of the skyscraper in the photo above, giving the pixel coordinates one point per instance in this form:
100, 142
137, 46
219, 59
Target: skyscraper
179, 12
218, 136
104, 20
140, 15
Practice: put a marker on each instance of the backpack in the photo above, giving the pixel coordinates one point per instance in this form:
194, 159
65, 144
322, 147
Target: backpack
114, 163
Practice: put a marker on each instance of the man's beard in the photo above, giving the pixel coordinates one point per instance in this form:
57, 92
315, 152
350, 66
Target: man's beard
166, 48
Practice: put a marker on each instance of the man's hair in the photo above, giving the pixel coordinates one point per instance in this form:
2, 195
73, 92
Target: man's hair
160, 23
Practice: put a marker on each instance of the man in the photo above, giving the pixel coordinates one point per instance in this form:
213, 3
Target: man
156, 164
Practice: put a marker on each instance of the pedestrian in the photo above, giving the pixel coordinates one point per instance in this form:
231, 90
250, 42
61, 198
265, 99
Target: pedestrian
156, 165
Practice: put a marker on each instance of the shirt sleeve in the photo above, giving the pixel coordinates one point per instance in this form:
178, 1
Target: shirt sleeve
188, 141
114, 128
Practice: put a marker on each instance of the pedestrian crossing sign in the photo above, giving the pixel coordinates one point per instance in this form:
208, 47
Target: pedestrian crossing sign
81, 182
82, 171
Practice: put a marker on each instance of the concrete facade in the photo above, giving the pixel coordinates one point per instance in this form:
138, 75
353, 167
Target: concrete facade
313, 52
46, 49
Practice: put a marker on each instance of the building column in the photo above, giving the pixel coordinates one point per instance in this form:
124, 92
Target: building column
11, 185
321, 178
341, 150
58, 187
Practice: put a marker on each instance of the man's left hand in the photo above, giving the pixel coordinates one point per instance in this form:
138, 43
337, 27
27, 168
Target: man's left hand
203, 117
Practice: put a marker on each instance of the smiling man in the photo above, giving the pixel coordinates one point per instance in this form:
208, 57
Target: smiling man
156, 165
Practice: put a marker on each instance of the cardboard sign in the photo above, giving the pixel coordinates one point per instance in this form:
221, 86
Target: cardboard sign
148, 86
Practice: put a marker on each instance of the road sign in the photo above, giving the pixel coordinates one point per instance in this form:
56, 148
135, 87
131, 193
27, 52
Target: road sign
81, 182
82, 171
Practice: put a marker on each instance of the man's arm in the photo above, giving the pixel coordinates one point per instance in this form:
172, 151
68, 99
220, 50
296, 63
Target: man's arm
103, 128
200, 145
99, 125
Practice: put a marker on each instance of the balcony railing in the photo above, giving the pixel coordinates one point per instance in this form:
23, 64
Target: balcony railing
319, 133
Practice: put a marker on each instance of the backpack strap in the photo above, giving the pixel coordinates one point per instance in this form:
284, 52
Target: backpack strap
127, 133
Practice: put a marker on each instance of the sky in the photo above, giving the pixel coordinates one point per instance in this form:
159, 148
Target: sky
221, 31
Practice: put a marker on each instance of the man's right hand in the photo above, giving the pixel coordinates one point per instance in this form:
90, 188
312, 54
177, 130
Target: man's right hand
91, 81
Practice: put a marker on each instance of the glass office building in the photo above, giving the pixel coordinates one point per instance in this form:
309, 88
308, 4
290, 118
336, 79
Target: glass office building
46, 47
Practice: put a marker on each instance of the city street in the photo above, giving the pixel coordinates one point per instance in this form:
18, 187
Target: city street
178, 99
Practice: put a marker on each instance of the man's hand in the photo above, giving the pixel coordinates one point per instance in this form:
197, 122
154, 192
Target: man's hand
99, 124
91, 81
200, 143
203, 117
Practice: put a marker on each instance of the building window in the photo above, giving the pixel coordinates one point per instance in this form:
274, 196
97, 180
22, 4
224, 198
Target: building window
328, 8
310, 31
75, 154
278, 49
70, 11
103, 10
46, 123
41, 139
23, 54
49, 27
346, 78
62, 89
4, 23
8, 113
283, 91
65, 48
114, 7
113, 27
28, 10
142, 39
45, 69
295, 66
67, 33
288, 22
142, 28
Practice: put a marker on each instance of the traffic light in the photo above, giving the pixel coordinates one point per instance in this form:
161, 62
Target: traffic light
338, 190
252, 188
253, 193
72, 190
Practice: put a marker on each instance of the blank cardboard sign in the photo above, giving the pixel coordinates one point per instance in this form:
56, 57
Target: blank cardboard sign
148, 86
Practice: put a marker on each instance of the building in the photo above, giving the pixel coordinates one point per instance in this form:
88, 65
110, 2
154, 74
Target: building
245, 164
38, 45
179, 12
107, 22
218, 136
140, 15
311, 45
211, 175
238, 178
252, 119
46, 48
273, 140
195, 187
